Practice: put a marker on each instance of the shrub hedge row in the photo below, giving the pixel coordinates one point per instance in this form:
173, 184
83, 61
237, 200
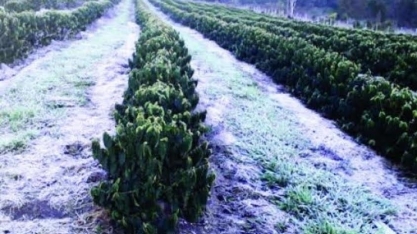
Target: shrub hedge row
157, 163
391, 56
22, 32
36, 5
377, 112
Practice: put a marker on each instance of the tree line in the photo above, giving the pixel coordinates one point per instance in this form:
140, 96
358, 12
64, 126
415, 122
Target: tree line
402, 13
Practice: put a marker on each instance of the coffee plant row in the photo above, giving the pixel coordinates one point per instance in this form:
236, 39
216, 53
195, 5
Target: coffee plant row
157, 163
36, 5
376, 111
391, 56
21, 32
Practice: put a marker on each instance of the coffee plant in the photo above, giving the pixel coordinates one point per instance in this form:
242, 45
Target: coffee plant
157, 162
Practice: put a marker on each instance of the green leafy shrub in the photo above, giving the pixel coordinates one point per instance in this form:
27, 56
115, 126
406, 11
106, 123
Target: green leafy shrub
22, 32
17, 6
376, 111
387, 55
157, 163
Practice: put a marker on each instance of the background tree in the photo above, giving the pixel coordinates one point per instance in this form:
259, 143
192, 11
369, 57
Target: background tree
291, 7
377, 10
406, 12
352, 8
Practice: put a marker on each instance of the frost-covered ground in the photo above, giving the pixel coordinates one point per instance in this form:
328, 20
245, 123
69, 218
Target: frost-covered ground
49, 112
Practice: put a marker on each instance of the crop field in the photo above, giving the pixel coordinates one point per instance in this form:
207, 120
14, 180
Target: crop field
171, 116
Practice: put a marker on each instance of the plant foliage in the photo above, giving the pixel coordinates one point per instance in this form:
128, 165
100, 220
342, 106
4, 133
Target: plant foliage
377, 111
157, 163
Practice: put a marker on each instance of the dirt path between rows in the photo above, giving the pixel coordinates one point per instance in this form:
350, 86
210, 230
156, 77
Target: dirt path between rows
45, 186
273, 158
